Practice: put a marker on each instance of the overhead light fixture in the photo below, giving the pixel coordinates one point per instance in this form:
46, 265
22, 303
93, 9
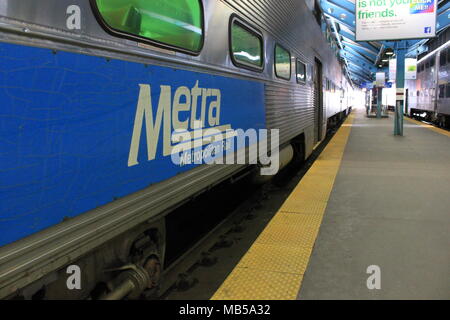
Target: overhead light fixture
389, 52
385, 60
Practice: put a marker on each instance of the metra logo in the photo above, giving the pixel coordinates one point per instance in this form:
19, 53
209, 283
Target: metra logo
183, 111
421, 6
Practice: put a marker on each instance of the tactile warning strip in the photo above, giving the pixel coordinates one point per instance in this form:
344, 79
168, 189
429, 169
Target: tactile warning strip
429, 126
273, 267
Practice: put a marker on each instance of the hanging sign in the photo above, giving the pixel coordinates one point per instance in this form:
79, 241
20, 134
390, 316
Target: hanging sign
392, 69
395, 19
410, 69
380, 79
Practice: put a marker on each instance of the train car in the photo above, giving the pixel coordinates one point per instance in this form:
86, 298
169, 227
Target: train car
428, 95
91, 91
443, 87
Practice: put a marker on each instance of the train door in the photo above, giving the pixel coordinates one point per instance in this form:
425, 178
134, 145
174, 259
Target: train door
318, 100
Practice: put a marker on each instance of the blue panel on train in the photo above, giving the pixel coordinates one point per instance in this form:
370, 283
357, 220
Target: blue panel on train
67, 129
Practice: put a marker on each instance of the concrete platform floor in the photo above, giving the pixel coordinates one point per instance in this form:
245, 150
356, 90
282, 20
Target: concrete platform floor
389, 207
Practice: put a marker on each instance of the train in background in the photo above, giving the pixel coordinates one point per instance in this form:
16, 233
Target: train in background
90, 93
428, 97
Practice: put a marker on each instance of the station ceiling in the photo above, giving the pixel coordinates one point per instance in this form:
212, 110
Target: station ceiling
362, 59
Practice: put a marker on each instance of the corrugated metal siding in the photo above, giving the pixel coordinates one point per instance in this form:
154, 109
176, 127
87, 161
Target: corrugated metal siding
290, 106
290, 109
280, 19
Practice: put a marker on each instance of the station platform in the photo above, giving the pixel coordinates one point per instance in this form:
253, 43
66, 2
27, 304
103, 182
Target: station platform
370, 199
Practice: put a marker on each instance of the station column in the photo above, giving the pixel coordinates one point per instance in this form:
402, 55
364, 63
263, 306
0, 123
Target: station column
400, 92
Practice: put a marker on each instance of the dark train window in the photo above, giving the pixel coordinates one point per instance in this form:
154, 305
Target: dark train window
447, 90
301, 72
432, 61
442, 91
176, 23
427, 64
418, 93
443, 58
282, 63
448, 55
246, 46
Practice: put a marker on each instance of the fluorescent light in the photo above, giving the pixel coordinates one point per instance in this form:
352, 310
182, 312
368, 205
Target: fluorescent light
434, 51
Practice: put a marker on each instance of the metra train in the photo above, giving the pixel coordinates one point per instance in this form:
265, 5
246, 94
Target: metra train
429, 96
91, 92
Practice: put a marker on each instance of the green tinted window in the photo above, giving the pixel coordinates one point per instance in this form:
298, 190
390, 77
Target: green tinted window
301, 72
176, 23
282, 63
246, 46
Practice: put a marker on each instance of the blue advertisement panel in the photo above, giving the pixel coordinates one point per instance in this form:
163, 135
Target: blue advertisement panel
78, 131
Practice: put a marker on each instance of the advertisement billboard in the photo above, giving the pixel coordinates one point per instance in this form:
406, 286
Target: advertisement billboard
395, 19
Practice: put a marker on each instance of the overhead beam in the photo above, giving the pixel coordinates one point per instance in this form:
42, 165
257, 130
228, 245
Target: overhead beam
363, 51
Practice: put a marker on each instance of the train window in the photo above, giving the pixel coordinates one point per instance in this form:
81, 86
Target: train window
177, 24
427, 64
282, 63
443, 58
418, 93
442, 91
447, 90
246, 46
448, 55
432, 61
301, 72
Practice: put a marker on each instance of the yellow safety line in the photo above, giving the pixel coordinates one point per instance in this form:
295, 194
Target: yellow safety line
429, 126
274, 266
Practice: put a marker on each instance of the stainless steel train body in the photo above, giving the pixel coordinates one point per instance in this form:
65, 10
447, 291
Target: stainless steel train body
429, 95
40, 33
